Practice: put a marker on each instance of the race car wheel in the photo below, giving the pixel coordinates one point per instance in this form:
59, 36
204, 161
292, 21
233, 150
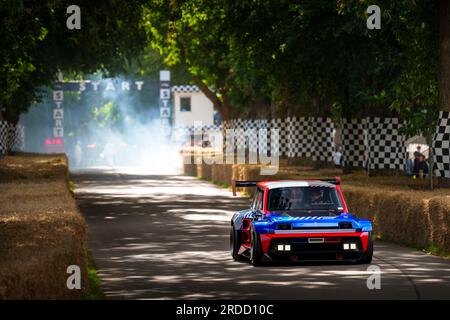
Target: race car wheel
367, 255
235, 244
256, 254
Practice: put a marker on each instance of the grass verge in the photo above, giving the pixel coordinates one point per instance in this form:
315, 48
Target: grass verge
94, 291
435, 250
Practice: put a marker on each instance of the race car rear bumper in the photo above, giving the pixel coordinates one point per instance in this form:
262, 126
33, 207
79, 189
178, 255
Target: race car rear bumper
315, 245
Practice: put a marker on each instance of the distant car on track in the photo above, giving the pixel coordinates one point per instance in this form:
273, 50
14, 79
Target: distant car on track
299, 220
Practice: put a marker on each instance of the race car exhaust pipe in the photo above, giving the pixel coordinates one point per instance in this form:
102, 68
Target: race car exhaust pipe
339, 256
294, 258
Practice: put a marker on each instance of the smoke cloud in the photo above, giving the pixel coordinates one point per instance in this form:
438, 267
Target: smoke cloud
115, 129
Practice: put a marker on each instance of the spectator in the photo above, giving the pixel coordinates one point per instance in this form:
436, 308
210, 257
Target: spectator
420, 166
418, 152
337, 157
409, 167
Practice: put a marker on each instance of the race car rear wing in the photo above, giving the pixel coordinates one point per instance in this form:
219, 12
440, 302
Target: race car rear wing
235, 184
336, 181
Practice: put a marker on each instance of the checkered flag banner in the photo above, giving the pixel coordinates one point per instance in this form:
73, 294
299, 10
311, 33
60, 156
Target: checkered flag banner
4, 134
239, 129
322, 131
314, 138
185, 89
263, 136
299, 137
247, 135
353, 142
280, 147
441, 146
386, 146
17, 134
12, 137
185, 131
252, 138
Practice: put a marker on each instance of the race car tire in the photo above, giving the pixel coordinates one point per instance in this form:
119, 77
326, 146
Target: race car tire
235, 244
368, 254
256, 254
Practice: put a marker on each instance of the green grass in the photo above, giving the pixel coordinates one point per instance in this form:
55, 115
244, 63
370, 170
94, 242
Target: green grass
94, 291
71, 186
222, 185
436, 251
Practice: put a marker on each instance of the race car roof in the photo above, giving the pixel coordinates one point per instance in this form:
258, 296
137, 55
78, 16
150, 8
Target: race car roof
294, 183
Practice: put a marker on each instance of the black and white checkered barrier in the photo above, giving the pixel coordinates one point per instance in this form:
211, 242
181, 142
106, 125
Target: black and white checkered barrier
255, 135
292, 138
12, 138
252, 135
314, 138
263, 127
354, 142
4, 135
181, 132
386, 146
280, 143
17, 136
239, 125
191, 129
322, 131
185, 89
441, 146
299, 136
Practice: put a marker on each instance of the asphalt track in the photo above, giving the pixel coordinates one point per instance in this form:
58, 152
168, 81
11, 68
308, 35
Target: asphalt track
166, 237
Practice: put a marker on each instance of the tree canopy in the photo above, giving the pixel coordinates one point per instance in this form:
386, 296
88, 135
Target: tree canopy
251, 58
313, 57
36, 44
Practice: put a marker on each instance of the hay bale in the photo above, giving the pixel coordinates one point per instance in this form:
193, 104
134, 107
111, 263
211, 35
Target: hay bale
206, 171
400, 217
199, 170
403, 218
190, 169
41, 228
439, 209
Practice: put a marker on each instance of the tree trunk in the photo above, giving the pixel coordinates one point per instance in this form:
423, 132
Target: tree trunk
221, 106
444, 50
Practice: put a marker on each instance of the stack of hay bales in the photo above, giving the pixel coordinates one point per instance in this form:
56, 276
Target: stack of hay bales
42, 232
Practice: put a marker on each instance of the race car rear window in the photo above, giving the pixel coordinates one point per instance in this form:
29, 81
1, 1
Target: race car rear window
304, 198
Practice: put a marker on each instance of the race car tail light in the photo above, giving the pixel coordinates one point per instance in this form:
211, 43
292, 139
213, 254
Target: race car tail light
283, 247
345, 225
350, 246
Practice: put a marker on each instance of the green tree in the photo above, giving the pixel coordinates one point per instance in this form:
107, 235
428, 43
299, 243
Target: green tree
36, 44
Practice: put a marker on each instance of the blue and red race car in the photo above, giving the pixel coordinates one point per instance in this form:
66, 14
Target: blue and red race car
299, 220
